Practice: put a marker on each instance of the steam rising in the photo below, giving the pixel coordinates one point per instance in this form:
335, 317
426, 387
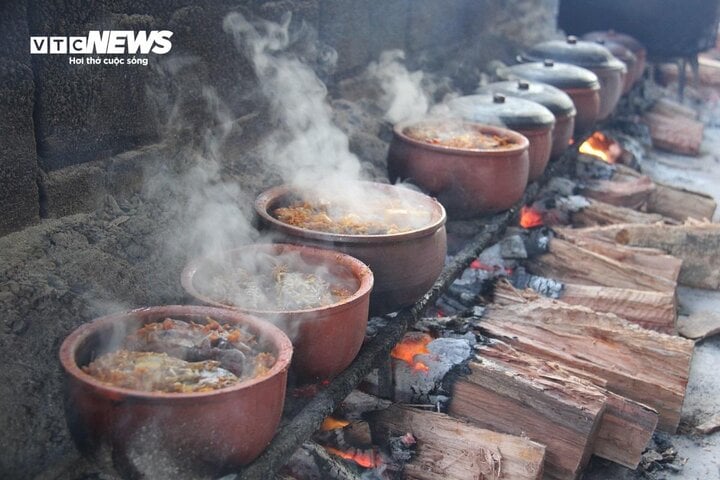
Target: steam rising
308, 147
403, 96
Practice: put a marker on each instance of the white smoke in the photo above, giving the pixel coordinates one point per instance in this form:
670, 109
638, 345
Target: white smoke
308, 148
403, 96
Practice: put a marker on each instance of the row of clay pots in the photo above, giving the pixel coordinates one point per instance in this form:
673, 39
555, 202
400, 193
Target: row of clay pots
211, 432
561, 88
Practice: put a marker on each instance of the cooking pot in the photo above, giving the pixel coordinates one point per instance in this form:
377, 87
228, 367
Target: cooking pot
326, 338
552, 98
523, 116
596, 58
581, 85
467, 181
208, 432
612, 37
405, 264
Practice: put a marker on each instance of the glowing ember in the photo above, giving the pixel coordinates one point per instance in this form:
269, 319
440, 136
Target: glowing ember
332, 423
601, 146
529, 217
366, 459
413, 344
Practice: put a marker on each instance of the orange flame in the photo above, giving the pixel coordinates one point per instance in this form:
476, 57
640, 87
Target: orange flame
332, 423
601, 146
412, 344
366, 459
529, 217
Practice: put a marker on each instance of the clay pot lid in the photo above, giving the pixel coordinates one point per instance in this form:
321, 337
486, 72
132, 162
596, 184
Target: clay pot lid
497, 109
561, 75
576, 52
629, 42
619, 51
552, 98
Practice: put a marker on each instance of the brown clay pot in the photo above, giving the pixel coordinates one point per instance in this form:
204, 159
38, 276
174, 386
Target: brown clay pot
405, 265
596, 58
468, 182
580, 84
211, 432
627, 57
523, 116
325, 339
552, 98
628, 42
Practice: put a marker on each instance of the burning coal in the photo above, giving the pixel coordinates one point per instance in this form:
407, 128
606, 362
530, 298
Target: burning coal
530, 217
411, 345
601, 146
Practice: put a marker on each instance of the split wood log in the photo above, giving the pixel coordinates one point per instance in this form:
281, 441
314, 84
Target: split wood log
670, 108
651, 260
448, 447
697, 244
629, 194
563, 414
708, 72
652, 310
675, 134
601, 213
672, 202
570, 263
626, 426
649, 367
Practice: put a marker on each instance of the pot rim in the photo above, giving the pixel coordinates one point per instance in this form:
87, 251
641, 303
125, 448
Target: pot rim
272, 194
73, 341
359, 270
520, 141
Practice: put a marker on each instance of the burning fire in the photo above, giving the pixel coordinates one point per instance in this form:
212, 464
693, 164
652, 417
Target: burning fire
601, 146
529, 217
366, 459
411, 345
332, 423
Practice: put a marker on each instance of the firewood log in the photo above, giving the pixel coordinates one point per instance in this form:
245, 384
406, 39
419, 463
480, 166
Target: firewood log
448, 447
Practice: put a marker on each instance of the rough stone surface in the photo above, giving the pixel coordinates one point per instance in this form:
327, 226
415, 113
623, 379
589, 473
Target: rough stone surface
18, 161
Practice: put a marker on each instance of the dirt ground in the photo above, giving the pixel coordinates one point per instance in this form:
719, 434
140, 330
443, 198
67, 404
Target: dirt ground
698, 457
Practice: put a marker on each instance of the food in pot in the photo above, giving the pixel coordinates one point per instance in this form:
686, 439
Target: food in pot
282, 287
386, 216
464, 137
178, 356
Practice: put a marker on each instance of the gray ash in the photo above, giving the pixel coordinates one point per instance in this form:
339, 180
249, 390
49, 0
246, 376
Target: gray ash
547, 287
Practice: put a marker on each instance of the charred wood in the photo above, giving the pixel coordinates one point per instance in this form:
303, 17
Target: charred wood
451, 448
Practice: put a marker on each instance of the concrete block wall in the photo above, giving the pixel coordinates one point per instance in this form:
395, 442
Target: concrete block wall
63, 122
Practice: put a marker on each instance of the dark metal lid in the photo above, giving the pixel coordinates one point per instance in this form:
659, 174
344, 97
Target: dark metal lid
561, 75
500, 110
552, 98
612, 36
577, 52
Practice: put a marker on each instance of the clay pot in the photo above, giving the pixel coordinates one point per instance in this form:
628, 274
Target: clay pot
523, 116
325, 339
625, 56
405, 265
209, 432
552, 98
628, 42
580, 84
468, 182
596, 58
